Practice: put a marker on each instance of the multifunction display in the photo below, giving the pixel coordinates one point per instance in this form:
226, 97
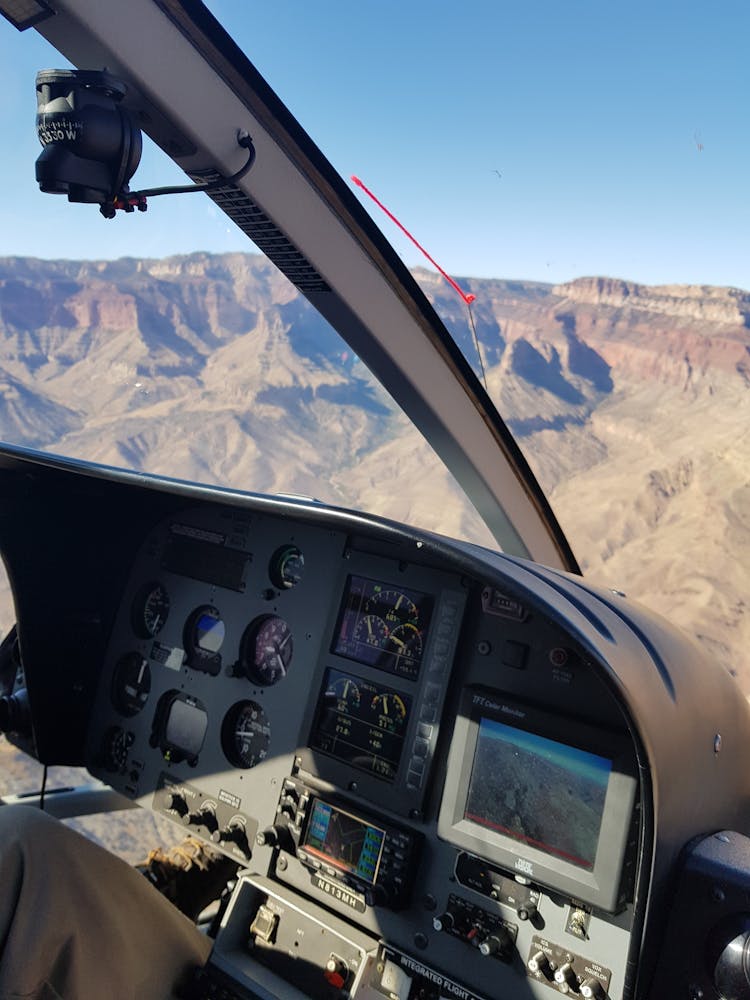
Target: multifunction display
383, 626
538, 791
361, 723
344, 841
532, 792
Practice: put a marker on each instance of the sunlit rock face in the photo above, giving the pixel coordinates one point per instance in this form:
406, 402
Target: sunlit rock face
702, 303
631, 403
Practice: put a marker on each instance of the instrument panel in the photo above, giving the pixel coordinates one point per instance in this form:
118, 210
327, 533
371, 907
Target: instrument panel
384, 742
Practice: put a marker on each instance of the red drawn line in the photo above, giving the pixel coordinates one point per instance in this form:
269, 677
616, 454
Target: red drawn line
468, 299
483, 821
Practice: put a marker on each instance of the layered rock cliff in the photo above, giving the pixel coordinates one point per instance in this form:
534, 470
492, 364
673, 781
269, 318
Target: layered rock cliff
631, 403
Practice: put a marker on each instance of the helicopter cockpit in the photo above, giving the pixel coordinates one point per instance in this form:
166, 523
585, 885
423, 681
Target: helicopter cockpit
444, 771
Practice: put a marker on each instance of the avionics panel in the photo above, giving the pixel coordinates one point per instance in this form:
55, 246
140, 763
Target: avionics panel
373, 720
345, 841
540, 795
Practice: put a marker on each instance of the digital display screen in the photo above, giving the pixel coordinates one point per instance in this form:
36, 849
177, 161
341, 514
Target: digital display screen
185, 727
538, 791
383, 626
344, 841
361, 723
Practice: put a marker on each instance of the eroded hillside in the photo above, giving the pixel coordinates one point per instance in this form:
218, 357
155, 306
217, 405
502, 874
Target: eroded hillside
630, 402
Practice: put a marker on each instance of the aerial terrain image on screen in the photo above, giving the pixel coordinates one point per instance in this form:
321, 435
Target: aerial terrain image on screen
538, 791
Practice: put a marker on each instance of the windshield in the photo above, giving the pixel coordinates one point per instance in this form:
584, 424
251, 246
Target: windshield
579, 172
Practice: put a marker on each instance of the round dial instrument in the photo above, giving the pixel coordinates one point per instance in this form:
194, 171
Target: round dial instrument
131, 684
150, 610
371, 630
405, 640
266, 650
389, 709
347, 694
245, 734
392, 606
204, 630
286, 567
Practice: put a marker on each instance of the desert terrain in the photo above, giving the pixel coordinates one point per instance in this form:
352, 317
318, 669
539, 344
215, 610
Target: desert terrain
630, 402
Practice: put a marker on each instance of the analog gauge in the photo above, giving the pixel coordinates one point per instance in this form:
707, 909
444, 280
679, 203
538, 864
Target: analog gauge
393, 606
245, 734
405, 640
115, 747
390, 710
347, 694
203, 637
150, 610
286, 567
372, 631
266, 650
206, 630
131, 684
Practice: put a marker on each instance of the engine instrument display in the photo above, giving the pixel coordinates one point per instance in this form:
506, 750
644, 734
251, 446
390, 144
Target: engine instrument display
383, 626
345, 841
360, 723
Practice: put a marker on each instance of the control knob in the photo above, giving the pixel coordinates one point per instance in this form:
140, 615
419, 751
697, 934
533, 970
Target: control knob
288, 805
336, 972
235, 833
205, 816
178, 804
566, 976
445, 922
526, 910
269, 837
592, 989
496, 943
539, 962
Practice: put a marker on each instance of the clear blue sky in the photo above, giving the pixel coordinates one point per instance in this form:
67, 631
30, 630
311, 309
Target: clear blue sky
592, 112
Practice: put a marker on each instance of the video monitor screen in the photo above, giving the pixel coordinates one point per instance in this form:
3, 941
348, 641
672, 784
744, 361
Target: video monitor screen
344, 840
383, 626
538, 791
361, 724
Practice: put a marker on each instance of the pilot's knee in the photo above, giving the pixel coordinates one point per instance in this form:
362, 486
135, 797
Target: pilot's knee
25, 825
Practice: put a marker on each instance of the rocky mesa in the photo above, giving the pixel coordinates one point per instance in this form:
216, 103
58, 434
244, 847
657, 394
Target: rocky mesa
631, 403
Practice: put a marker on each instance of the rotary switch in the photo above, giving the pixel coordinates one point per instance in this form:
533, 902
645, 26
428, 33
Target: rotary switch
565, 976
178, 804
445, 922
539, 962
205, 816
